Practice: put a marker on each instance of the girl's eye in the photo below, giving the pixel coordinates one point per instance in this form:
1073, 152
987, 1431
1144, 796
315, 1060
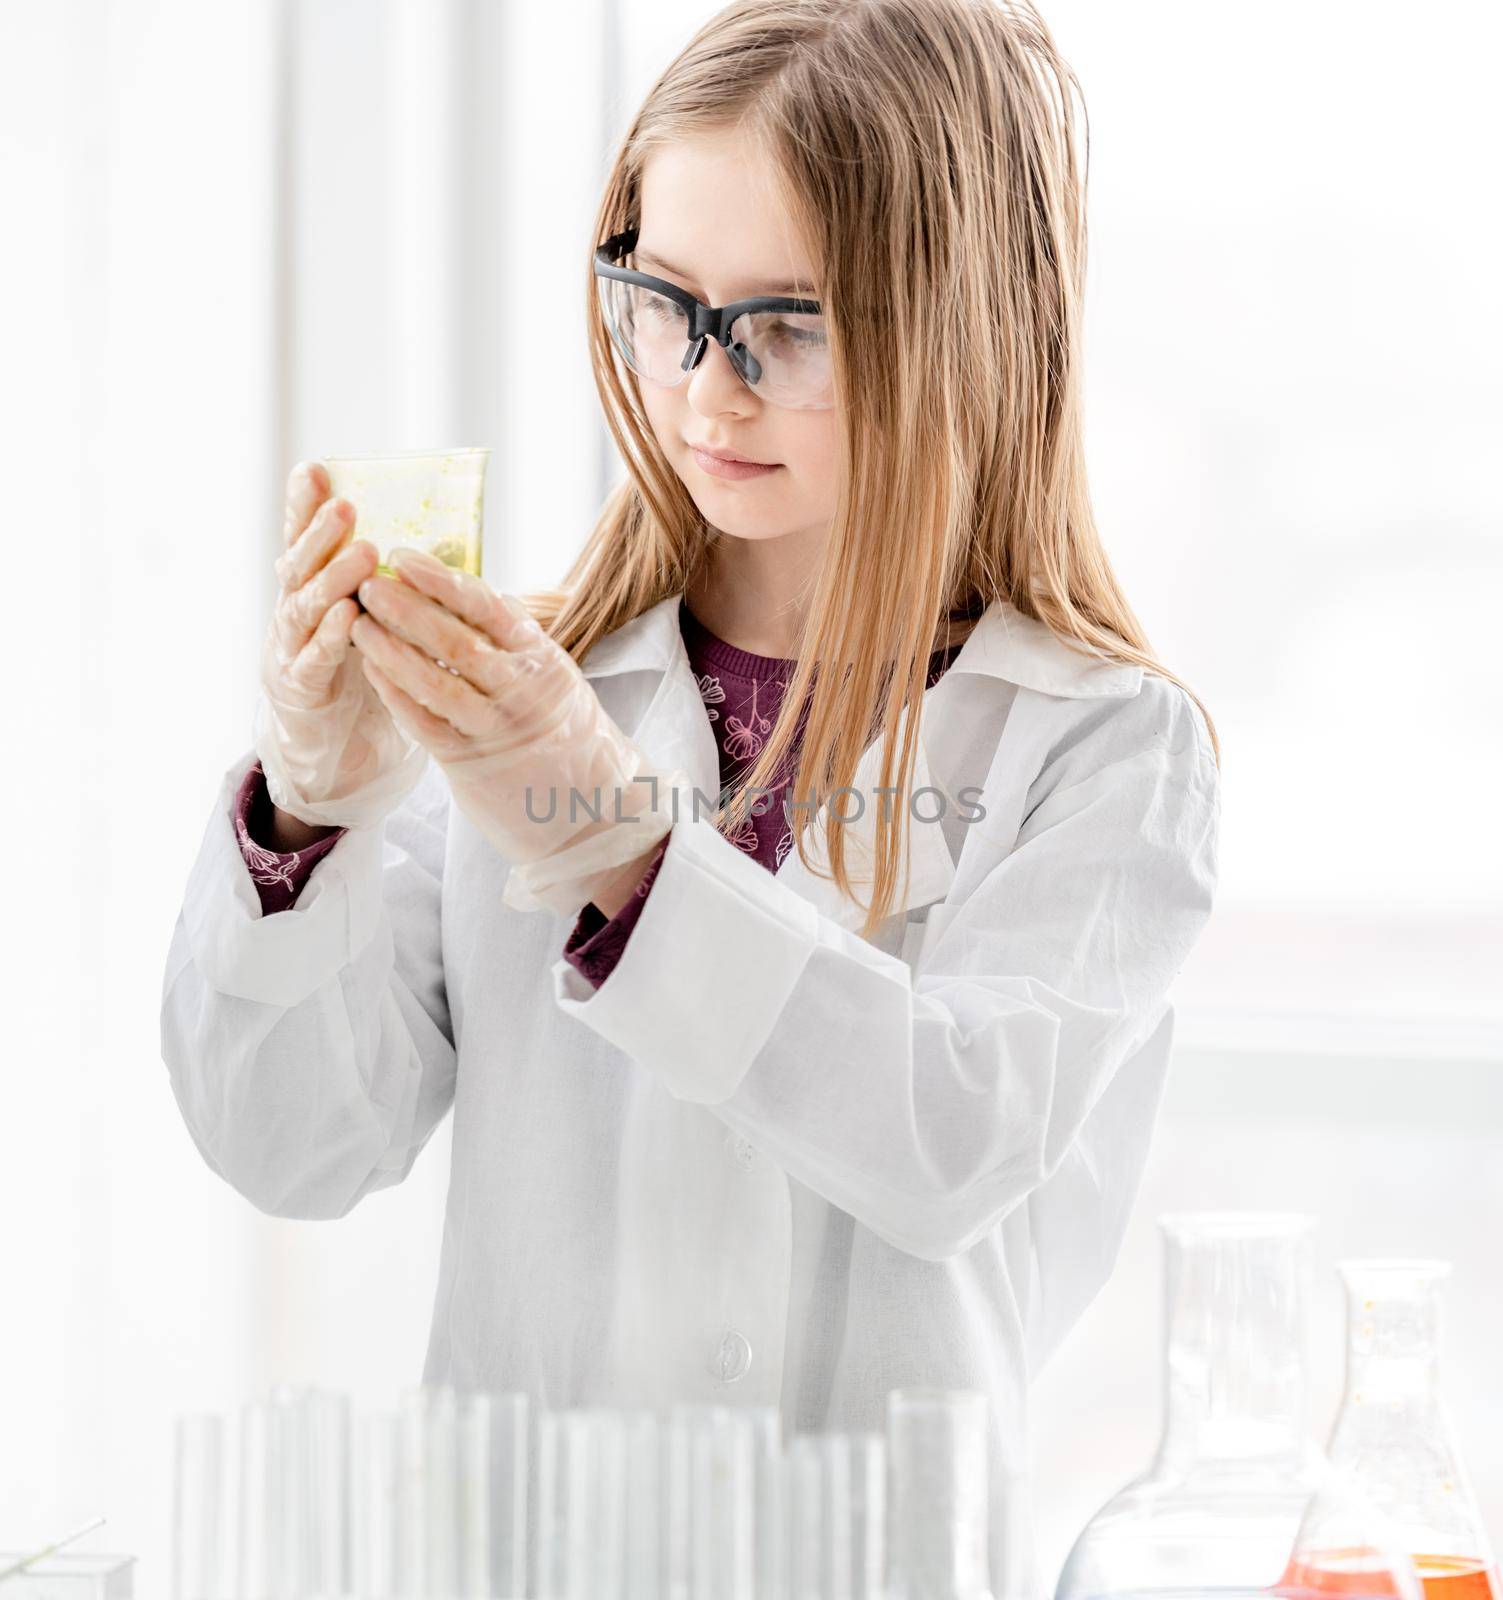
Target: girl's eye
804, 338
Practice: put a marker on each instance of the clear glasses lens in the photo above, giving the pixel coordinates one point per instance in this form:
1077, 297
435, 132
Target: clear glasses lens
783, 356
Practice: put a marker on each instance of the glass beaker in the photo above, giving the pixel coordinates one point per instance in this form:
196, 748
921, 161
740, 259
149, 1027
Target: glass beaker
1392, 1435
1237, 1501
431, 500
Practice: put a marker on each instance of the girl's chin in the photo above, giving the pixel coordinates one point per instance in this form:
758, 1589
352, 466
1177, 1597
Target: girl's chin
750, 529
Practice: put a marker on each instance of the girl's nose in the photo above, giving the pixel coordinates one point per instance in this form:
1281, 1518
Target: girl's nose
715, 385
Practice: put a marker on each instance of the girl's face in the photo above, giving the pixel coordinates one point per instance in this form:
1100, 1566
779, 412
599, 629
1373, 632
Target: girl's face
711, 225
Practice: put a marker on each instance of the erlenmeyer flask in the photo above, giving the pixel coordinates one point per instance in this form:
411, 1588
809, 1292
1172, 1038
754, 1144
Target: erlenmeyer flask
1392, 1435
1237, 1502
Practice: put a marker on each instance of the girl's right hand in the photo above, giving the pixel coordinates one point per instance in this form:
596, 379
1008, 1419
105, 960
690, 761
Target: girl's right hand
331, 753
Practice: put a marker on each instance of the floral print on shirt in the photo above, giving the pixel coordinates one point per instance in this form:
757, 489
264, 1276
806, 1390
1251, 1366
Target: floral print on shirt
742, 693
279, 875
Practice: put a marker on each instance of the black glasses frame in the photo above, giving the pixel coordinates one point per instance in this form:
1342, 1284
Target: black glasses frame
705, 322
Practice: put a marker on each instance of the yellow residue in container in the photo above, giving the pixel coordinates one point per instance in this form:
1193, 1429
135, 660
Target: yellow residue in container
426, 500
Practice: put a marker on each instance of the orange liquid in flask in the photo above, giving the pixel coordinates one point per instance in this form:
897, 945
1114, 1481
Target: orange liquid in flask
1443, 1577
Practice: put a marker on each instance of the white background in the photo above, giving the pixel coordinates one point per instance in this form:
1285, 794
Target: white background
237, 234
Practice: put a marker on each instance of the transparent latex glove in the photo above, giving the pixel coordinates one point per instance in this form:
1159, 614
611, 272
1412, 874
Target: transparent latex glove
518, 731
331, 753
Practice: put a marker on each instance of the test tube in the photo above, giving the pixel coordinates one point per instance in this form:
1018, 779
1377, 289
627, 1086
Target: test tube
836, 1499
291, 1488
259, 1534
502, 1421
324, 1428
429, 1516
709, 1461
197, 1507
581, 1505
298, 1510
441, 1497
937, 1494
868, 1515
473, 1497
377, 1510
643, 1564
770, 1576
492, 1496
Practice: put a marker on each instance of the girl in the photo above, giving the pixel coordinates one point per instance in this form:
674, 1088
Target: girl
807, 1096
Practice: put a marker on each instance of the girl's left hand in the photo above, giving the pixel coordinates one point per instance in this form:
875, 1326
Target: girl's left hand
530, 754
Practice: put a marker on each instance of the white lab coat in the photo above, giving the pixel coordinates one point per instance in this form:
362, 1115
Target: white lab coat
768, 1162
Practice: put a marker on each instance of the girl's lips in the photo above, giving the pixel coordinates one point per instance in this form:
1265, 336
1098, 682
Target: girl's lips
732, 469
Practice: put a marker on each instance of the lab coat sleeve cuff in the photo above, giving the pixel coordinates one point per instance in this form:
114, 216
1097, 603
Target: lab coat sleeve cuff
280, 959
709, 967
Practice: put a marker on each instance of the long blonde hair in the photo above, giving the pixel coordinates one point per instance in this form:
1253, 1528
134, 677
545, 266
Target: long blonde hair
928, 151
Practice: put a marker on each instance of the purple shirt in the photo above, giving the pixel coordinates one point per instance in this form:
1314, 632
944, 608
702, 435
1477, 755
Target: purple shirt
741, 694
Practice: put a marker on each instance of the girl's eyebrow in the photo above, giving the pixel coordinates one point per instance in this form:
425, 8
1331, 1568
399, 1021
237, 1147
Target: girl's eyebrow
795, 290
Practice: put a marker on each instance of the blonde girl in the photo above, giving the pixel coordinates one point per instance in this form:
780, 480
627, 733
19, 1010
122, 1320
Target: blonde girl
781, 1105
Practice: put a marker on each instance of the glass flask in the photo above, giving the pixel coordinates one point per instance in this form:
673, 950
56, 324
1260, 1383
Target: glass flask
1392, 1435
1237, 1502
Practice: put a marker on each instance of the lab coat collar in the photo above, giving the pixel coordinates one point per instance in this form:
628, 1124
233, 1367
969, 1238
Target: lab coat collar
674, 732
1004, 644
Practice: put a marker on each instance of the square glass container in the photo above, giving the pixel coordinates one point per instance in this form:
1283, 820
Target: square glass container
431, 500
70, 1575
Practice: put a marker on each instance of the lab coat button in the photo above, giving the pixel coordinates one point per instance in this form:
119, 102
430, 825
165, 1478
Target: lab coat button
743, 1151
732, 1359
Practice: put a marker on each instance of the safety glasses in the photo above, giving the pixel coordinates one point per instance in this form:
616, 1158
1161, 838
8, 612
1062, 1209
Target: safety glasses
777, 345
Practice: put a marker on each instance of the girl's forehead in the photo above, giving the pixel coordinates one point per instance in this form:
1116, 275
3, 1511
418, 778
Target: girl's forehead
709, 212
748, 283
